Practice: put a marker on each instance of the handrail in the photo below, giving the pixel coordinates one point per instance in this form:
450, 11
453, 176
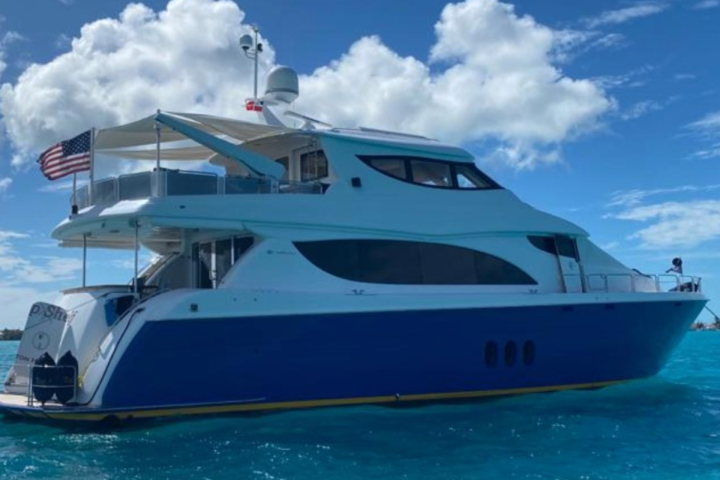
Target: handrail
167, 183
679, 283
29, 395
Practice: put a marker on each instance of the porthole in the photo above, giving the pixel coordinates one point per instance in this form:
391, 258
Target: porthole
510, 353
529, 353
491, 354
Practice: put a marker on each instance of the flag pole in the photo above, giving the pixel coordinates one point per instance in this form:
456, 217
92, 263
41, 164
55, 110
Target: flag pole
84, 268
74, 207
92, 164
160, 182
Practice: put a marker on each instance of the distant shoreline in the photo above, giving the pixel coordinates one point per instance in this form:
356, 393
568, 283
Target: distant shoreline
699, 326
7, 334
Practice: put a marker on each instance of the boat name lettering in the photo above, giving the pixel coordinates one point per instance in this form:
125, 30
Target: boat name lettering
24, 358
52, 312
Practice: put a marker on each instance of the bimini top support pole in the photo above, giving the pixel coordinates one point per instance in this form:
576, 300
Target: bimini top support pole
255, 163
157, 144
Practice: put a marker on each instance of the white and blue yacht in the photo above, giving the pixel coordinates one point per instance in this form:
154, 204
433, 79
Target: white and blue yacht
313, 266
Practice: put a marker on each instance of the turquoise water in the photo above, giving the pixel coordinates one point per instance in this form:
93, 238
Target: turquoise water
666, 427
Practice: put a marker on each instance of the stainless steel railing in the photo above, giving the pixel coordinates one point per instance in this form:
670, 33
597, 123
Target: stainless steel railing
635, 282
28, 386
166, 183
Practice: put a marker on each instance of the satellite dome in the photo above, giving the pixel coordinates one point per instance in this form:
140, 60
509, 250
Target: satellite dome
282, 85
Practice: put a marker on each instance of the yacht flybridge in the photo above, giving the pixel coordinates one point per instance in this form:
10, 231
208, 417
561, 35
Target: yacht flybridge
326, 266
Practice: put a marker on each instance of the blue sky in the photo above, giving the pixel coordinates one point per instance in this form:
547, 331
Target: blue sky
606, 113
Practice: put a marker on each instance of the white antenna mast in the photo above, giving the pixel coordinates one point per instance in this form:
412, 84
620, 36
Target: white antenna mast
252, 50
281, 89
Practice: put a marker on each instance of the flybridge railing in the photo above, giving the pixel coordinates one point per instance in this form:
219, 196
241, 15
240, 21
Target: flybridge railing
167, 183
635, 282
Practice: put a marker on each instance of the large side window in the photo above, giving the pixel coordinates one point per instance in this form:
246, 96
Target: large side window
435, 174
338, 258
496, 271
410, 263
447, 265
431, 173
313, 166
395, 167
389, 262
470, 177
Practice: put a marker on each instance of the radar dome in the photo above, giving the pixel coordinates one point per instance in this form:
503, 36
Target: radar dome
282, 85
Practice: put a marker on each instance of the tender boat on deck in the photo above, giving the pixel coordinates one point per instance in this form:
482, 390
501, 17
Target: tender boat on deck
328, 266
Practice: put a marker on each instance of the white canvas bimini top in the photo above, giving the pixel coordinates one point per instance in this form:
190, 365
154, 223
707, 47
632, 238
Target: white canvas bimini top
127, 141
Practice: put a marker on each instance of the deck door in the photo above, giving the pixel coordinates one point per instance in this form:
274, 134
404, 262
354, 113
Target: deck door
570, 266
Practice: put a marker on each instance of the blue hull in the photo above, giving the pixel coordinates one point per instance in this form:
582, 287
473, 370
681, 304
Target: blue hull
308, 360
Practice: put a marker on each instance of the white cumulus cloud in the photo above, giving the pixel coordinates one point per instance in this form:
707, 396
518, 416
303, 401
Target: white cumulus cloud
182, 58
497, 82
492, 78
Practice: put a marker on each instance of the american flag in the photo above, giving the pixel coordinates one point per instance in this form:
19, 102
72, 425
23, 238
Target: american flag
66, 157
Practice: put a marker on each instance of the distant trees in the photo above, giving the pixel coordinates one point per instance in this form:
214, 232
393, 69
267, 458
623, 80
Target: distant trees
715, 325
10, 334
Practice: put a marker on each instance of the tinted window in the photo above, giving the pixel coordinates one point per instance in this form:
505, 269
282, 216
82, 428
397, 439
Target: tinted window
431, 173
313, 166
436, 174
546, 244
391, 166
447, 265
496, 271
389, 262
566, 246
339, 258
240, 246
469, 177
410, 263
